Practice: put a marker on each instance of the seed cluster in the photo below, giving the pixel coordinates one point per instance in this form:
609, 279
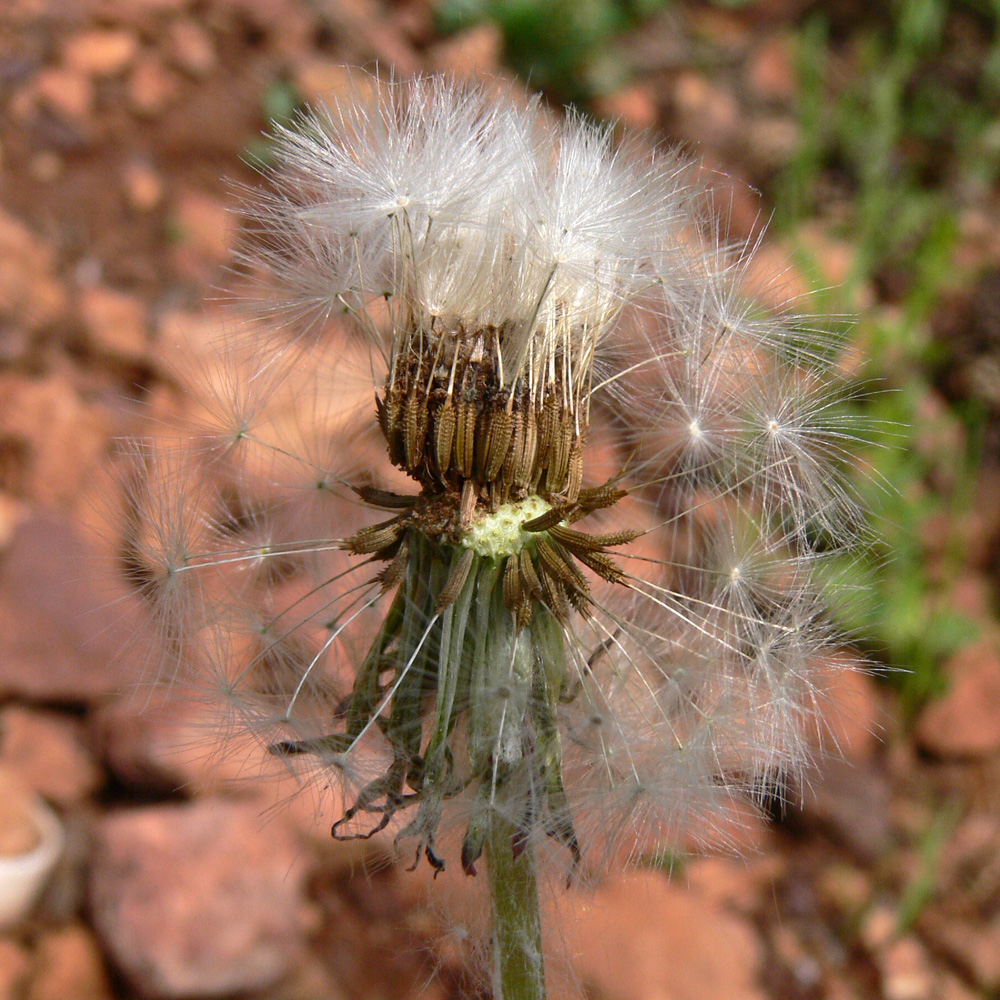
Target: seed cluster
449, 418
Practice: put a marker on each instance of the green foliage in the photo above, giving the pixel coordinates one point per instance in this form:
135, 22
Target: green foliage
279, 104
902, 130
565, 46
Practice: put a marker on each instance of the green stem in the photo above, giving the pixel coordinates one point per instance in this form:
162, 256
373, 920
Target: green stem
518, 960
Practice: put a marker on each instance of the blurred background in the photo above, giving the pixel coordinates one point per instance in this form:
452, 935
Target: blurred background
858, 144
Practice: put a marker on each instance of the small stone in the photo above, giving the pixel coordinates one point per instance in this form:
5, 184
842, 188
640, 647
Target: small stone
317, 79
706, 110
67, 92
852, 714
115, 322
879, 928
906, 971
159, 6
50, 440
152, 88
973, 946
46, 166
770, 142
726, 882
950, 987
847, 889
143, 186
12, 513
203, 899
30, 295
965, 720
15, 966
69, 965
771, 73
471, 53
44, 751
192, 48
791, 952
101, 53
64, 623
635, 106
641, 937
204, 225
19, 832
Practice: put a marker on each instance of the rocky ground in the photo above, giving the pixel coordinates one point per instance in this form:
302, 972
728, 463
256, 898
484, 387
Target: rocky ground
122, 121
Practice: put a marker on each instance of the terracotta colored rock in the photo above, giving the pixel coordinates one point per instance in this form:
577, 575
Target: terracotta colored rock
852, 802
730, 883
771, 73
43, 749
634, 106
115, 322
192, 48
318, 79
14, 967
470, 53
61, 634
972, 945
707, 112
965, 720
151, 87
199, 900
143, 186
204, 226
851, 715
905, 970
12, 513
101, 53
69, 964
30, 295
66, 91
50, 438
643, 938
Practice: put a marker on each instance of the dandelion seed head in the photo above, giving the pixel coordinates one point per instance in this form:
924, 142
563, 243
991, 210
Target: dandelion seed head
566, 573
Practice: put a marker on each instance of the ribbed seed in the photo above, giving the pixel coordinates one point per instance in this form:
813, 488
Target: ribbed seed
385, 498
528, 452
513, 455
466, 504
456, 581
546, 430
554, 564
603, 565
445, 423
581, 541
511, 583
554, 594
393, 573
374, 538
530, 584
558, 467
574, 475
389, 419
465, 438
501, 427
598, 497
522, 615
415, 428
546, 521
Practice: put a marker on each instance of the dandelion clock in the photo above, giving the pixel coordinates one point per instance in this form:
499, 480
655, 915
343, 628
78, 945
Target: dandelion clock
509, 522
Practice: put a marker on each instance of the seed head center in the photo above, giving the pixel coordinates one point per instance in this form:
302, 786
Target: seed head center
499, 534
